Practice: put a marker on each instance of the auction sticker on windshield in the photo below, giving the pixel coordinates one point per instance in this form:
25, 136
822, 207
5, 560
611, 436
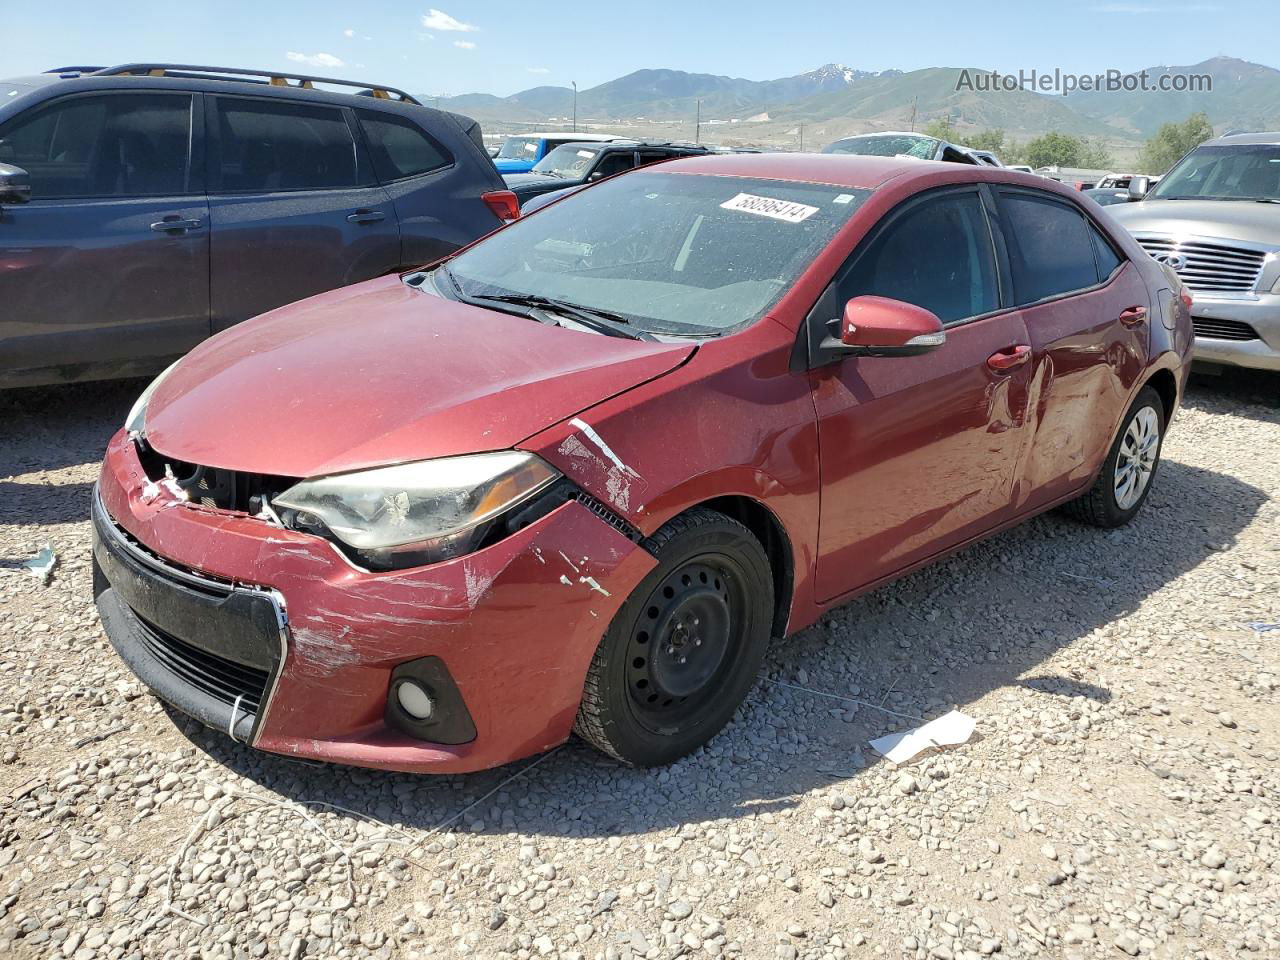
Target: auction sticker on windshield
768, 207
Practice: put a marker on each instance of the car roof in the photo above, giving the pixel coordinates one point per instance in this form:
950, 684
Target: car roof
847, 170
567, 135
1230, 138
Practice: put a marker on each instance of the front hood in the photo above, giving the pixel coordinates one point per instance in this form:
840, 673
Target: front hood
381, 373
511, 165
517, 181
1244, 220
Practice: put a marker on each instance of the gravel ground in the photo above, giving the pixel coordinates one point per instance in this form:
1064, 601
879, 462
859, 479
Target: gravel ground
1119, 798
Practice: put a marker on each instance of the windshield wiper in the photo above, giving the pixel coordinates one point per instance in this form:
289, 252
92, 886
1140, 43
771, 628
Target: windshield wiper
549, 173
603, 321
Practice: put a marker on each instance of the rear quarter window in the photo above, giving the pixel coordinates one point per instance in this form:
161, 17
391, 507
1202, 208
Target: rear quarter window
400, 148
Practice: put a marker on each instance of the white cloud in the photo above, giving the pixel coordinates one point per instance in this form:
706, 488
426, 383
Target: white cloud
315, 59
439, 20
464, 44
348, 33
539, 70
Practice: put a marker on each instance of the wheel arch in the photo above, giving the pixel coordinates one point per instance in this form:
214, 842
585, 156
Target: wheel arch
1165, 384
768, 529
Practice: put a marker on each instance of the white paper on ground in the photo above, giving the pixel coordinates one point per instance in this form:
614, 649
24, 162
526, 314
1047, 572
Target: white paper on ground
949, 730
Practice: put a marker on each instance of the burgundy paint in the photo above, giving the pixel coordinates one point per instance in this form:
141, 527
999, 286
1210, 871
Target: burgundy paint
882, 322
872, 466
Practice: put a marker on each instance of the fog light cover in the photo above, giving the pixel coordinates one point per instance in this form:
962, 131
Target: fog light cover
425, 703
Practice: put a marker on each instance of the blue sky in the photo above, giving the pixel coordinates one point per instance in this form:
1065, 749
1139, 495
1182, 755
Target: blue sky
498, 46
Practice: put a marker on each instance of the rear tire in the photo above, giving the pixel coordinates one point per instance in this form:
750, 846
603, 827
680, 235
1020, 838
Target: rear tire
685, 647
1130, 468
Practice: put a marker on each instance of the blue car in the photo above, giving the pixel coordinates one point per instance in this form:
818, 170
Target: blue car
520, 152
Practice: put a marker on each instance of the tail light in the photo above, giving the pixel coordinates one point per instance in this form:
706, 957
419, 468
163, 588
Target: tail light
504, 204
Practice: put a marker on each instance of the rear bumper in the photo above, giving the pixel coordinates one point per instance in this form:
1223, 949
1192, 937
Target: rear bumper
1262, 315
515, 625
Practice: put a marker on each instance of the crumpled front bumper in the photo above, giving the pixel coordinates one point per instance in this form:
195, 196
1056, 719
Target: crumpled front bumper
515, 624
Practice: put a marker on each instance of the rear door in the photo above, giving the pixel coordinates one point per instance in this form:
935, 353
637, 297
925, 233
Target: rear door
920, 453
106, 269
1088, 312
294, 203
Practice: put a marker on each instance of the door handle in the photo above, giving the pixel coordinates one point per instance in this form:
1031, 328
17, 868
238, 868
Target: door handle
1132, 316
366, 216
176, 223
1009, 357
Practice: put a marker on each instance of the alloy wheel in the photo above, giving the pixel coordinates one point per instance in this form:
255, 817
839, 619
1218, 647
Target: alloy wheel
1136, 458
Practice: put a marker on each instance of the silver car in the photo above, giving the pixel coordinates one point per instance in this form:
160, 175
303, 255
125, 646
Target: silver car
1215, 219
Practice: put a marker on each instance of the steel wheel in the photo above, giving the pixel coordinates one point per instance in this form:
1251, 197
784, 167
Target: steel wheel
1136, 458
691, 624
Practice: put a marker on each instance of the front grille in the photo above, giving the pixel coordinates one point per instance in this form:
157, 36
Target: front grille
222, 679
1223, 329
214, 486
1209, 267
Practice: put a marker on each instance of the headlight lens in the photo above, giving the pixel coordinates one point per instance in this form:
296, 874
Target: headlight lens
136, 422
415, 512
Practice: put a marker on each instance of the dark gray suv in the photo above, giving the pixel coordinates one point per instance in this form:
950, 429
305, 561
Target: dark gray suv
147, 206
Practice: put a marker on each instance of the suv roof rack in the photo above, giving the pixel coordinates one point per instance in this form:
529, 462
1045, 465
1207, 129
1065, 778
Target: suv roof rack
275, 78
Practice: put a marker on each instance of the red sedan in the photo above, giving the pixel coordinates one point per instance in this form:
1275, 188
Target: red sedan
576, 477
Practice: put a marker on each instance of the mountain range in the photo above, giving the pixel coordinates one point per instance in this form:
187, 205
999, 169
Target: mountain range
845, 100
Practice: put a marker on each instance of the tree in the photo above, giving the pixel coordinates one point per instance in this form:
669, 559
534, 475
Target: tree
1053, 150
1094, 153
992, 140
1173, 140
942, 129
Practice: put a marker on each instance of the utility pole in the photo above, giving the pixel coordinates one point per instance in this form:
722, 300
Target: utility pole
913, 113
575, 105
802, 138
697, 125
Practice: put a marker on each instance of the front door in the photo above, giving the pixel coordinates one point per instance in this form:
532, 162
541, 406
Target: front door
295, 206
919, 454
106, 269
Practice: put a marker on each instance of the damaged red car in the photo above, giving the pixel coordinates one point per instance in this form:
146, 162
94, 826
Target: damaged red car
575, 477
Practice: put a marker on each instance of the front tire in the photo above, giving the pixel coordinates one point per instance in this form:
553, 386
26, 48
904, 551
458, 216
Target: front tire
686, 646
1129, 469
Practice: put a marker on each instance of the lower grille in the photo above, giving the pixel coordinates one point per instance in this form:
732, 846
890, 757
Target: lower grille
1223, 329
224, 680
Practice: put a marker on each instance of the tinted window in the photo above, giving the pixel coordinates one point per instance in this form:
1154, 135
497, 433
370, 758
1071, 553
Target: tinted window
399, 147
615, 163
937, 255
1105, 256
267, 147
126, 145
1050, 247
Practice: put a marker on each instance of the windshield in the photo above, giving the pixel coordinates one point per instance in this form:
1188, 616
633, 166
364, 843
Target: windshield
570, 161
519, 148
674, 253
887, 145
1236, 172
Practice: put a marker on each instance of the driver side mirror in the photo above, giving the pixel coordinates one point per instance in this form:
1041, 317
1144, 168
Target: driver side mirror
1138, 188
15, 184
881, 327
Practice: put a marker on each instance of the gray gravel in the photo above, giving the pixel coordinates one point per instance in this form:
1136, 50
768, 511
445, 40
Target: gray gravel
1119, 799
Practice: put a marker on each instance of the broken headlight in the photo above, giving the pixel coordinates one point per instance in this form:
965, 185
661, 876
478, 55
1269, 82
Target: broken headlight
414, 513
135, 424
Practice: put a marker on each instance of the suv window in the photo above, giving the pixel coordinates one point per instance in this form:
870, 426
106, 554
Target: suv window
399, 147
268, 146
1050, 247
937, 255
615, 163
115, 145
